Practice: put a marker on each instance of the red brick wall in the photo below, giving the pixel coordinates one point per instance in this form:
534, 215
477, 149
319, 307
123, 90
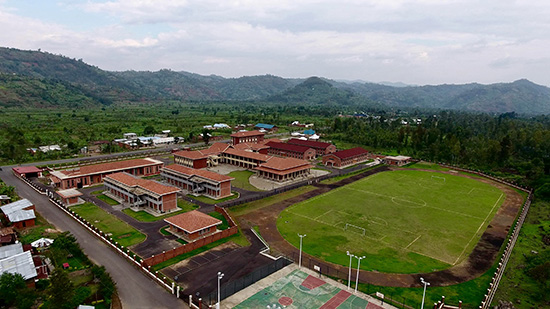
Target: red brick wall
330, 149
169, 201
201, 163
225, 189
331, 158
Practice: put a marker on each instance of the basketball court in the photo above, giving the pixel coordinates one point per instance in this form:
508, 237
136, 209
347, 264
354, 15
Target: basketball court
300, 288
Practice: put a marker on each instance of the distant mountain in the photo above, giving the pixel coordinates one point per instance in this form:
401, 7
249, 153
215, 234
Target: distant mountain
41, 79
521, 96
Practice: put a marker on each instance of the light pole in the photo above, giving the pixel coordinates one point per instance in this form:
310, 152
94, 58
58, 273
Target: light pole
220, 276
359, 258
349, 271
425, 283
300, 257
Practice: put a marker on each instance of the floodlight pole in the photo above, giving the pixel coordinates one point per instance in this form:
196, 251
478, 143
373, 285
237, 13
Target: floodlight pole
220, 276
425, 283
300, 257
359, 258
349, 271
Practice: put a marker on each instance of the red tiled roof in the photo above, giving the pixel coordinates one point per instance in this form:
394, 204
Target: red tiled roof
283, 164
247, 154
149, 185
26, 169
110, 167
247, 133
288, 147
348, 153
193, 221
312, 144
215, 149
193, 155
202, 173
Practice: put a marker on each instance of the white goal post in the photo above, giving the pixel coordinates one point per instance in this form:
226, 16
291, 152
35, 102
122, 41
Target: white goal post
355, 228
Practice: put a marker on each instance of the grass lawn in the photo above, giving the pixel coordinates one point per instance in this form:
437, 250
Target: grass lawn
516, 285
107, 200
219, 216
98, 192
36, 232
121, 232
243, 209
338, 178
391, 218
238, 238
241, 180
211, 201
147, 217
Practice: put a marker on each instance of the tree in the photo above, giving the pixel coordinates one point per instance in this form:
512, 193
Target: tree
15, 291
149, 130
61, 291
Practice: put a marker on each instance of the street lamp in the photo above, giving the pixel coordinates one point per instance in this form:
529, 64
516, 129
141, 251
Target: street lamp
220, 276
359, 258
349, 271
300, 257
425, 283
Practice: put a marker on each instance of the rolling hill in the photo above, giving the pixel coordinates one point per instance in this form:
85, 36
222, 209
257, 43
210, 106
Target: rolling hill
41, 79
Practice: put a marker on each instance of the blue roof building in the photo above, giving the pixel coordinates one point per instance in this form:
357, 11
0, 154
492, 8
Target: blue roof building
265, 126
309, 132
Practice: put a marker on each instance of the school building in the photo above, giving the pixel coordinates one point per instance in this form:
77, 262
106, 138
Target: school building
192, 225
198, 182
247, 137
344, 158
290, 151
89, 175
139, 192
397, 160
321, 148
283, 169
201, 158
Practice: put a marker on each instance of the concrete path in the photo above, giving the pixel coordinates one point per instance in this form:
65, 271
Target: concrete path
135, 289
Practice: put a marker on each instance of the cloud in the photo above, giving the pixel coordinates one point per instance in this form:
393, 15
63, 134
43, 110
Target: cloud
421, 41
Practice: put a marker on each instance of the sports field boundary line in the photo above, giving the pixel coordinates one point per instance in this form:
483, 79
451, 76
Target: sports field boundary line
482, 223
376, 239
412, 242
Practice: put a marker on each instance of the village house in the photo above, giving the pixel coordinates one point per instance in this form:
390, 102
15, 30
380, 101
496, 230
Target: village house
198, 182
20, 213
266, 127
344, 158
192, 225
139, 192
89, 175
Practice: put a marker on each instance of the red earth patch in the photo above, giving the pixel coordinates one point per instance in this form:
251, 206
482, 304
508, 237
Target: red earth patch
285, 301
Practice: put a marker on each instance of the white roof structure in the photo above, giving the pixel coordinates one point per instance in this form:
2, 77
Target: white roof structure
42, 242
20, 263
398, 157
165, 131
9, 250
15, 212
314, 136
303, 138
221, 125
297, 134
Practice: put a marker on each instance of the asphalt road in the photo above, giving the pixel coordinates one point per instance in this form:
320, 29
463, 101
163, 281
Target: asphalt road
135, 289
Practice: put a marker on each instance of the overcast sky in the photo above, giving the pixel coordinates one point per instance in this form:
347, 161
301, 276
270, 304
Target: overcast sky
415, 42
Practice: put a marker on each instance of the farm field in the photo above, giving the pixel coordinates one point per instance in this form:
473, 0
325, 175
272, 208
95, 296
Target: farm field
403, 221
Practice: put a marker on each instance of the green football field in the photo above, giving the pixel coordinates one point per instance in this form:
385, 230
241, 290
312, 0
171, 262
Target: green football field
403, 221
